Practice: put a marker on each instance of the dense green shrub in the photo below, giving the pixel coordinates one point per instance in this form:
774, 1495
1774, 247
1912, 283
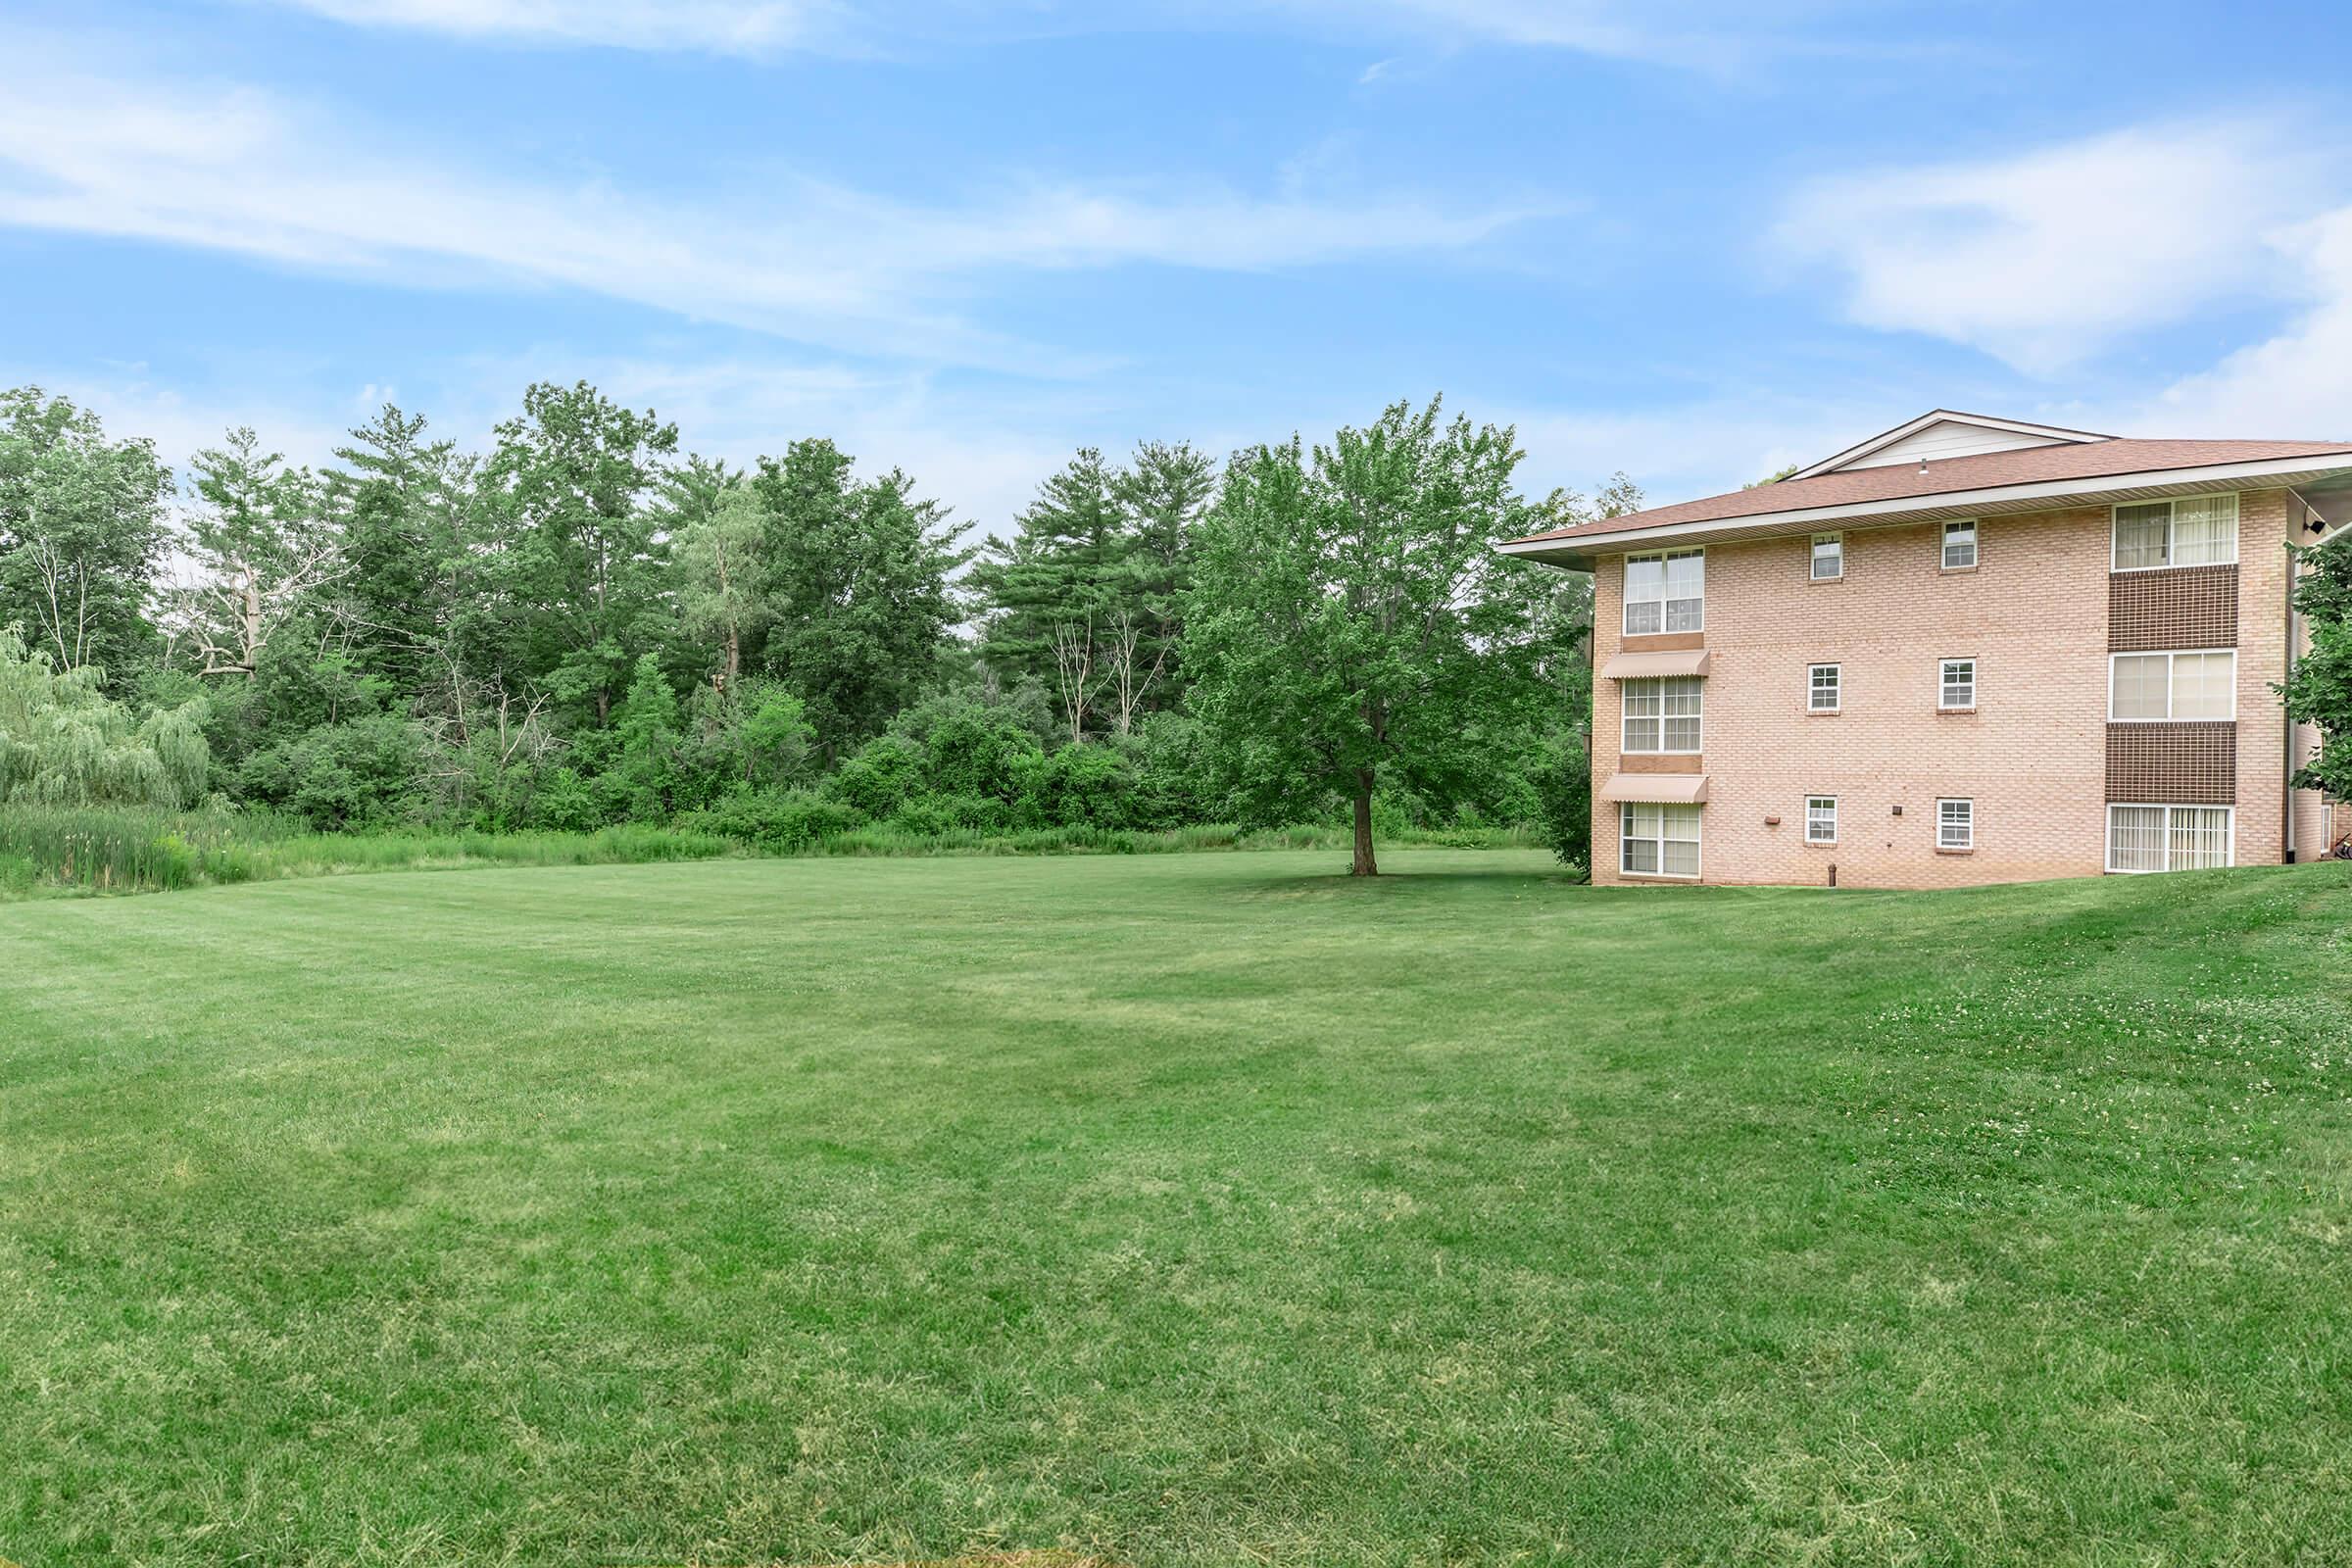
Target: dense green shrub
775, 819
1564, 792
1081, 786
363, 773
880, 777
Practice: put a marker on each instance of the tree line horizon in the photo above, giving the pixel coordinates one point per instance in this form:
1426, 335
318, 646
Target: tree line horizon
586, 623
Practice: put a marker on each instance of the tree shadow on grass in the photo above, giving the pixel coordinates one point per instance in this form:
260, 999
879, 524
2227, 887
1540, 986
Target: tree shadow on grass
1405, 882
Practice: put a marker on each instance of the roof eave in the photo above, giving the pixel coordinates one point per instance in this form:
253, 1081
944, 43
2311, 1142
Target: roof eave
1579, 550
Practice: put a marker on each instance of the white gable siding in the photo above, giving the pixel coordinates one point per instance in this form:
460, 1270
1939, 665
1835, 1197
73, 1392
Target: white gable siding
1948, 438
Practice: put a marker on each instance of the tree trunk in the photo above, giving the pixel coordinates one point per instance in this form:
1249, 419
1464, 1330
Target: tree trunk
1364, 864
251, 622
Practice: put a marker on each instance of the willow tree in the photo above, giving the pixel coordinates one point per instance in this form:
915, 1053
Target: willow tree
1351, 627
64, 742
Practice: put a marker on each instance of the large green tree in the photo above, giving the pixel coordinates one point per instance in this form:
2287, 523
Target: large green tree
573, 583
402, 502
719, 562
1055, 585
1351, 624
1163, 495
83, 534
856, 587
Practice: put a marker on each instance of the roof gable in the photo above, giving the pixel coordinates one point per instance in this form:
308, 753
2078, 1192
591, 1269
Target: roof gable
1942, 433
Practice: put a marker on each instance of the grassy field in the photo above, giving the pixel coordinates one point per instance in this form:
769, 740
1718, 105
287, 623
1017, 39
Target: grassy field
1189, 1209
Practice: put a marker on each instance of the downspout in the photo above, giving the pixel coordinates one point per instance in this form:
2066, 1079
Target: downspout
2287, 773
2294, 645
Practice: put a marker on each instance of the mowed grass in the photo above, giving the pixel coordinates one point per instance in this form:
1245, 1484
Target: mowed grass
1192, 1209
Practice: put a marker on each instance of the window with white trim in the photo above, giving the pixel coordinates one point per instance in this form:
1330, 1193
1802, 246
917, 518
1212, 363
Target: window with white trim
1825, 688
1956, 683
1959, 545
1657, 840
1665, 591
1662, 713
2192, 531
1955, 824
1828, 556
2150, 688
1821, 819
2170, 837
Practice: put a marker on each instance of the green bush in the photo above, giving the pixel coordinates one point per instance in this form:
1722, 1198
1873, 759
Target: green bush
362, 773
883, 775
1564, 791
1081, 786
785, 820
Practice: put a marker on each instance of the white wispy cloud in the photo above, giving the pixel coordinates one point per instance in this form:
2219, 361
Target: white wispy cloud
235, 168
1706, 35
2296, 383
2046, 258
716, 27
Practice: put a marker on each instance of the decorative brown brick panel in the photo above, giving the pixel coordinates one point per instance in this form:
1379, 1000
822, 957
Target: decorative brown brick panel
2181, 606
2173, 765
1658, 763
1662, 641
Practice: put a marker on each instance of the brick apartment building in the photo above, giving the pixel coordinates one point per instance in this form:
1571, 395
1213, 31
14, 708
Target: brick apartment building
1966, 650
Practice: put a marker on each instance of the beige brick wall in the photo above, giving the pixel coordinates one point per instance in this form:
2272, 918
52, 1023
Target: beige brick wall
2032, 756
2262, 632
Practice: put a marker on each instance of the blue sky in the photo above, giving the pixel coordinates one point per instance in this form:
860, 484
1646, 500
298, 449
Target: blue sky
1694, 241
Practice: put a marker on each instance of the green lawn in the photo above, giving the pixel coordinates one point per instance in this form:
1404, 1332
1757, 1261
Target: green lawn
1189, 1209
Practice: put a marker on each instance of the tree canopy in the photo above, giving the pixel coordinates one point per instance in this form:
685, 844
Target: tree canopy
1351, 621
587, 623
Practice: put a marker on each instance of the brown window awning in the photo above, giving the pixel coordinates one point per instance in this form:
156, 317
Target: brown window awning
1638, 667
1657, 789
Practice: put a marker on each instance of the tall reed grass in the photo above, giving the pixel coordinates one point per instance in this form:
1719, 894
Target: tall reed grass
130, 850
48, 849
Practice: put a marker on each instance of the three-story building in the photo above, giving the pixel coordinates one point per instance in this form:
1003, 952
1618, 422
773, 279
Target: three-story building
1966, 650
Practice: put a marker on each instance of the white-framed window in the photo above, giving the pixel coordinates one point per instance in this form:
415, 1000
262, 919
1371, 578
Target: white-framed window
1960, 545
1821, 819
1825, 688
1655, 840
1956, 683
2170, 837
1662, 713
1665, 591
1828, 556
1955, 824
2149, 688
2192, 531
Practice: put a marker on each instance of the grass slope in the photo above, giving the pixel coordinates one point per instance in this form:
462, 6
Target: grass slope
1188, 1210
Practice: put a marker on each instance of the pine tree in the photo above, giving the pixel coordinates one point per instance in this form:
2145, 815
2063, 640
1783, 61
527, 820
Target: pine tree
400, 504
1163, 495
1055, 587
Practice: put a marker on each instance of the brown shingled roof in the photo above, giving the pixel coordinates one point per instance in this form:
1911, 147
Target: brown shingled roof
1901, 481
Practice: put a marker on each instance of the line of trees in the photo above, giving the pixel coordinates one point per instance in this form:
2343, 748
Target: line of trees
585, 624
